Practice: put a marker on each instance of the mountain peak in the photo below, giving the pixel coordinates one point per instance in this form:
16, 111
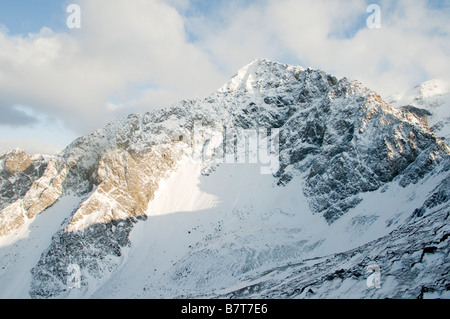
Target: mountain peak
259, 73
13, 151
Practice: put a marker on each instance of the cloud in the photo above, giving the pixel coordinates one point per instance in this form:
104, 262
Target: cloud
30, 146
73, 75
412, 45
14, 116
138, 55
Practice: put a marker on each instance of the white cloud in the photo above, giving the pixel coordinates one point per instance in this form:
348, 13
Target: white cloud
136, 55
121, 44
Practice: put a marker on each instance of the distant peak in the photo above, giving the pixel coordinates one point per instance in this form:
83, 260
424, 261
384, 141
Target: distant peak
433, 87
15, 151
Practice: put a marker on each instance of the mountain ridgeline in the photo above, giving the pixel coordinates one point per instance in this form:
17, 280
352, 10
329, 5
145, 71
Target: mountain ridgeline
351, 169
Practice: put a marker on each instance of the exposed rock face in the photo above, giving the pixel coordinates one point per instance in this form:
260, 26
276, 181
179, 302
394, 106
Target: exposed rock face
339, 137
18, 173
343, 135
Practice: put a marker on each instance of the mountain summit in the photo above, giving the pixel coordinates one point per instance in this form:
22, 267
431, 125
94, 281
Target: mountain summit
286, 182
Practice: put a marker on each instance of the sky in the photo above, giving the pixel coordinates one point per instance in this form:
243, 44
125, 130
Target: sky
132, 56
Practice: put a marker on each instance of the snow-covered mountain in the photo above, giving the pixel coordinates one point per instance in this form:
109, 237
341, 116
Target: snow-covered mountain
430, 99
285, 183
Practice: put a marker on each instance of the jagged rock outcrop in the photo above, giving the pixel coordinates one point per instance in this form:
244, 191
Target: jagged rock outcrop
18, 173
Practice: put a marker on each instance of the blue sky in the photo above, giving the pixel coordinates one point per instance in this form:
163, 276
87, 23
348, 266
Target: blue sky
138, 55
24, 16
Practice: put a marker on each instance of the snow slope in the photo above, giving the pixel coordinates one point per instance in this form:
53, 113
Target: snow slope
209, 236
21, 250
